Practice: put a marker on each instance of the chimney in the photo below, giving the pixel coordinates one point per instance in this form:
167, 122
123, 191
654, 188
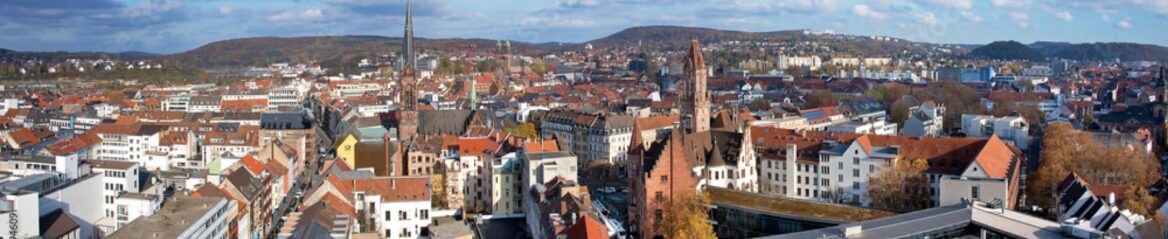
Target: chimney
386, 143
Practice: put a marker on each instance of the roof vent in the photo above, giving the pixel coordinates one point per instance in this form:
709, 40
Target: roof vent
853, 230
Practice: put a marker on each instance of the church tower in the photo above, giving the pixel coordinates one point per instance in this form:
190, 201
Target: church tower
408, 110
695, 101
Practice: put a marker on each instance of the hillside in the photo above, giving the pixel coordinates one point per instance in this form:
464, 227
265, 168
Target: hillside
677, 38
329, 51
1006, 50
7, 54
1102, 51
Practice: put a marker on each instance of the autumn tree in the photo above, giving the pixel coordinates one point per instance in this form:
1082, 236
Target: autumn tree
1138, 200
539, 68
525, 130
958, 99
887, 93
1067, 150
438, 196
760, 105
900, 187
899, 111
820, 99
686, 218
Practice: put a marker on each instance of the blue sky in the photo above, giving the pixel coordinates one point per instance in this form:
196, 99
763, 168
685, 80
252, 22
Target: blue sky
167, 26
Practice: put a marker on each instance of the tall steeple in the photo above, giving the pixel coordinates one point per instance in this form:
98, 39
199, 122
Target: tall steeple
695, 101
408, 39
408, 95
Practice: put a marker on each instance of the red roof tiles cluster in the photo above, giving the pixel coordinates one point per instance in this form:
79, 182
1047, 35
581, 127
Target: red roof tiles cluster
72, 145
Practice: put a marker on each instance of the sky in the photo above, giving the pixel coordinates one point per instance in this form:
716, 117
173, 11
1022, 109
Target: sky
169, 26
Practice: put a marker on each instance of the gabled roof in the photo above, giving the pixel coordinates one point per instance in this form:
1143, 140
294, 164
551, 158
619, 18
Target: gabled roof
391, 189
24, 137
252, 164
57, 224
586, 227
72, 145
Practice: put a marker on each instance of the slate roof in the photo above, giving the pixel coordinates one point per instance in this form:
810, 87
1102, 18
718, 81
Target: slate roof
453, 122
285, 120
57, 224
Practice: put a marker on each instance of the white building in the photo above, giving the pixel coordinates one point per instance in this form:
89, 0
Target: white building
812, 62
131, 143
506, 185
591, 136
879, 127
542, 167
399, 206
831, 167
287, 96
1012, 129
183, 217
180, 103
928, 119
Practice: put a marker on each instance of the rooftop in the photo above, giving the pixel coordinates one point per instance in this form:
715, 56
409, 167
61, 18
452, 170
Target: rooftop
940, 220
802, 208
172, 220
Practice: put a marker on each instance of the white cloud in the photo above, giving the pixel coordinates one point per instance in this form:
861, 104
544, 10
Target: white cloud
928, 19
1125, 24
1064, 15
224, 10
1009, 3
1106, 18
953, 4
864, 11
306, 15
968, 15
579, 3
1021, 18
555, 22
807, 6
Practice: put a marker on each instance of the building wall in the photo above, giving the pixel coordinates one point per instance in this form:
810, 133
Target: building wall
78, 200
953, 189
416, 219
27, 215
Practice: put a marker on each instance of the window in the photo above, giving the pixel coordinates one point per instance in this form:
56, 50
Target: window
826, 182
388, 215
401, 215
974, 192
871, 168
855, 185
825, 170
425, 213
855, 173
856, 160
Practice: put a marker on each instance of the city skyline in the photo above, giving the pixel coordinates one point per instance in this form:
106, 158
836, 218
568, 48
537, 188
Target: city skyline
160, 26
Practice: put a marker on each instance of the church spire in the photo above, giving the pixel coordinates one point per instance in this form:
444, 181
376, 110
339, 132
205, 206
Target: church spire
695, 101
408, 39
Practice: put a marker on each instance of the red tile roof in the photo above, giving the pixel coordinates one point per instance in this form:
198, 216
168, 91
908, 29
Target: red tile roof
252, 164
72, 145
24, 137
391, 189
586, 228
247, 105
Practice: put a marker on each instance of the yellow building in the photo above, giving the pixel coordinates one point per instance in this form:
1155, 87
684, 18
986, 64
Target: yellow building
347, 149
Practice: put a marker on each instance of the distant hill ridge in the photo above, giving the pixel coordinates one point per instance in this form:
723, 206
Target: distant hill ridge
332, 51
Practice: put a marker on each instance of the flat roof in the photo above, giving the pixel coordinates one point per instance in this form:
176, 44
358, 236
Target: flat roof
794, 207
955, 217
548, 155
179, 214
